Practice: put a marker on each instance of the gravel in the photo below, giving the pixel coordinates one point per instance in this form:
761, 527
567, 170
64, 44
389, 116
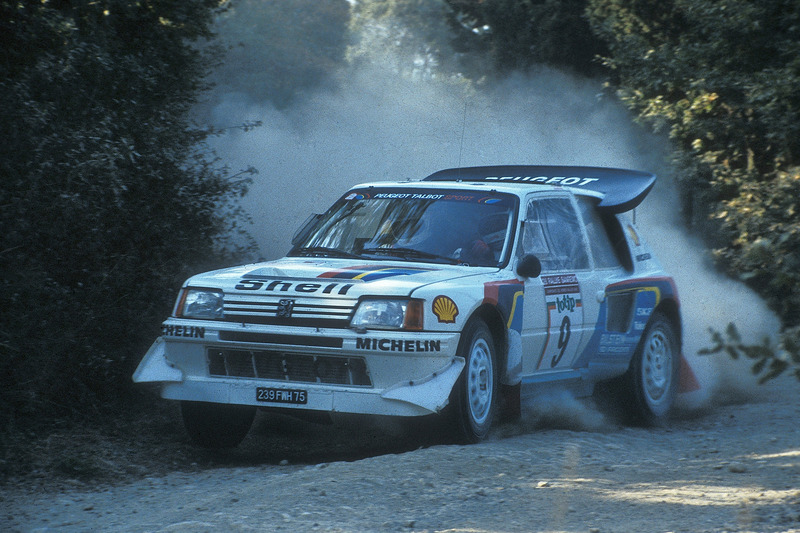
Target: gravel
562, 467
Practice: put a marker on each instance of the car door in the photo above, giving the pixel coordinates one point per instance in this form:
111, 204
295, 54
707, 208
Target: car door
553, 323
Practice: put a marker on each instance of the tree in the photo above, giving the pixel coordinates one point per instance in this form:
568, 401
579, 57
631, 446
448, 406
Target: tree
412, 37
109, 196
519, 34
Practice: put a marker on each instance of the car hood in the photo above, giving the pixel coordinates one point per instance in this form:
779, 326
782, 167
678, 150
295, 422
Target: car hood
332, 277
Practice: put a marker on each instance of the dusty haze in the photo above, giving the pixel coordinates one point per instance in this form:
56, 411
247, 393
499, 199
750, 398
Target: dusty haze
379, 125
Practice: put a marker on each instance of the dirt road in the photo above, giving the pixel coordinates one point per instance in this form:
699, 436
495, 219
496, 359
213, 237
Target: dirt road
563, 467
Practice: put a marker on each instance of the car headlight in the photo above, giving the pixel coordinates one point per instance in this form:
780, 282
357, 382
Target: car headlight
200, 303
388, 314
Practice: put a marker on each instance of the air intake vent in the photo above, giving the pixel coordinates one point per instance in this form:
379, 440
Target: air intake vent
299, 368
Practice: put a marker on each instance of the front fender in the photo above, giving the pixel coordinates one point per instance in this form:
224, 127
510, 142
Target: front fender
155, 367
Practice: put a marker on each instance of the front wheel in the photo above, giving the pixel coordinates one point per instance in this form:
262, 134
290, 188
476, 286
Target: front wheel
474, 398
216, 425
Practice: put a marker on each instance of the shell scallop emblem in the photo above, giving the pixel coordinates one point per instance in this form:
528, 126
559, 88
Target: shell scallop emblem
445, 309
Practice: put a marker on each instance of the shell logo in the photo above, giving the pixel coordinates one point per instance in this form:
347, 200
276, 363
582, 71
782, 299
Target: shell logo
445, 309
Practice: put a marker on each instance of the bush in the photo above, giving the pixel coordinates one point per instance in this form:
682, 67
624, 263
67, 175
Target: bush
110, 198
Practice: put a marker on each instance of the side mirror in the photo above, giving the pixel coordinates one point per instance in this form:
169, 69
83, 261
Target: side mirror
529, 267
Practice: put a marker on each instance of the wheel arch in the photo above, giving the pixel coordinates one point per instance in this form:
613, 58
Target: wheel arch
671, 310
493, 319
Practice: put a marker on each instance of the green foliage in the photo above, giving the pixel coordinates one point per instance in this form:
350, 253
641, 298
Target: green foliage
473, 38
109, 196
769, 360
519, 34
763, 220
411, 37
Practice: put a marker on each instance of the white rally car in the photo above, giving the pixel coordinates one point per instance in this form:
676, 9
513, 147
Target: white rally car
460, 294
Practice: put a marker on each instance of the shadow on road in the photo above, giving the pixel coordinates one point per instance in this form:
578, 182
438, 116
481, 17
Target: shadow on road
277, 438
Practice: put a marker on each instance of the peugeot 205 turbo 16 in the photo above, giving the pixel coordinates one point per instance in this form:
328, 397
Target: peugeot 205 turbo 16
460, 295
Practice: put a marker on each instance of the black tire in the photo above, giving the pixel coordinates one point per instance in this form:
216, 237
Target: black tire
651, 383
216, 425
474, 398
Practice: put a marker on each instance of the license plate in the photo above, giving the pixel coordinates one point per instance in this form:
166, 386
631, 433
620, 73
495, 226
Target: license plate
292, 396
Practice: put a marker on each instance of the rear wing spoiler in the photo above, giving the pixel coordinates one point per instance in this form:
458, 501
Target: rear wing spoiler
620, 190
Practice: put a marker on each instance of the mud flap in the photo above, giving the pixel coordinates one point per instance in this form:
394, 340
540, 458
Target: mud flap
687, 381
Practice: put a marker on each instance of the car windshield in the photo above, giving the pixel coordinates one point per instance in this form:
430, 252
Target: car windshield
440, 226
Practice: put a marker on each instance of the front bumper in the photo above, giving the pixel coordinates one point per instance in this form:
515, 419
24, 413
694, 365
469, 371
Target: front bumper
409, 374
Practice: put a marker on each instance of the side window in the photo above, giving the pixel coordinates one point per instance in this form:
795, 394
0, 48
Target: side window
602, 249
553, 234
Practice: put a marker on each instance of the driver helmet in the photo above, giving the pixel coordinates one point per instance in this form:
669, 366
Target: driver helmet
493, 229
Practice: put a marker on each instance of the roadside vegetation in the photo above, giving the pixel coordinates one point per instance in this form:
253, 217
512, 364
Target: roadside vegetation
111, 197
109, 193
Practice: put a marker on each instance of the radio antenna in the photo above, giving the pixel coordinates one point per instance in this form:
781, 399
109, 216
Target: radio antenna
463, 129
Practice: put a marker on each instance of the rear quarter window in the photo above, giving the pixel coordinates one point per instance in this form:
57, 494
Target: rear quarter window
606, 238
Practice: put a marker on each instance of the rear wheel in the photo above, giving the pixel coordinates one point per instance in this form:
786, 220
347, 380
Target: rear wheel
215, 425
652, 380
474, 398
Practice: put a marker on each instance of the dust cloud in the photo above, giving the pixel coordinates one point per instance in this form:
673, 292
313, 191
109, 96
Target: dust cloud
378, 125
709, 300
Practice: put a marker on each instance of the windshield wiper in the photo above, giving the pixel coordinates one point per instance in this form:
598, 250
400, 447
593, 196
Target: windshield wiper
412, 253
326, 252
